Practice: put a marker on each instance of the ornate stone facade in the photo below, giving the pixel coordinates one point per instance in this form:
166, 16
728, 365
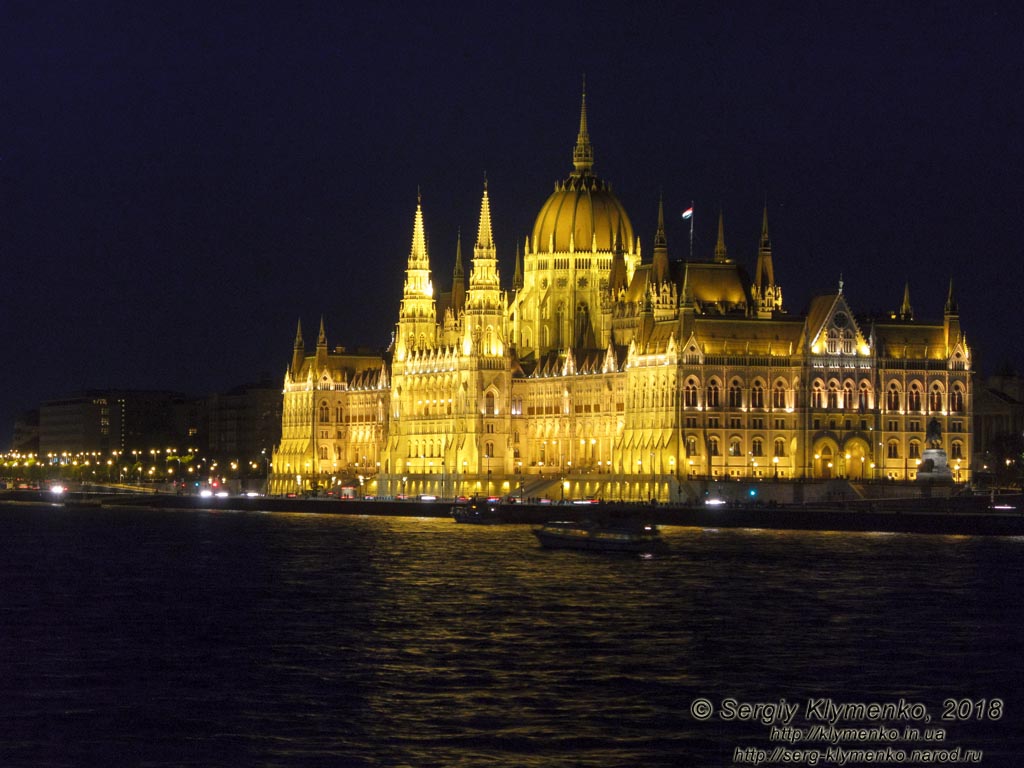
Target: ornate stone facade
600, 374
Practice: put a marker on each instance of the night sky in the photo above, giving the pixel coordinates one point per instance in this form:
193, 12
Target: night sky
180, 183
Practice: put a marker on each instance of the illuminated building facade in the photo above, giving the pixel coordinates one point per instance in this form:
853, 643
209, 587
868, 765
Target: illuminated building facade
600, 373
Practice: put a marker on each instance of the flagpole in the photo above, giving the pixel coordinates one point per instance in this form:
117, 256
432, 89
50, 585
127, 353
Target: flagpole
691, 231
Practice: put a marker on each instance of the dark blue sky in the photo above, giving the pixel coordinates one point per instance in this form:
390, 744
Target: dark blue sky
181, 182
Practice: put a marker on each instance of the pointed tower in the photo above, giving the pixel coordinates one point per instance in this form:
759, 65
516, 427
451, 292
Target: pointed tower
720, 252
321, 346
766, 294
298, 351
660, 266
618, 279
485, 306
906, 311
458, 280
417, 316
517, 277
583, 153
951, 320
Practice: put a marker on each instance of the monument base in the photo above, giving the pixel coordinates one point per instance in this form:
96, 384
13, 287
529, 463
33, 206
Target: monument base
934, 467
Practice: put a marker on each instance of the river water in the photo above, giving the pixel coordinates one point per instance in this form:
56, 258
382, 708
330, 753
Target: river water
184, 638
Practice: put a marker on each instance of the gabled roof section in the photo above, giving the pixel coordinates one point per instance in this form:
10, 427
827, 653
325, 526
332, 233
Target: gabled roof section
830, 317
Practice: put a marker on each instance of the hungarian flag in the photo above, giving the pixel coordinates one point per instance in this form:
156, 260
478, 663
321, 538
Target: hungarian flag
688, 213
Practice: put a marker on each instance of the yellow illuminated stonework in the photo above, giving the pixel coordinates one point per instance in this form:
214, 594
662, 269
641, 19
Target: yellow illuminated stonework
602, 373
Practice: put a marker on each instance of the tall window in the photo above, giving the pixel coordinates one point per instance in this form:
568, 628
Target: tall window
489, 404
915, 450
956, 450
757, 395
914, 398
713, 446
956, 399
833, 395
757, 447
779, 396
735, 447
863, 401
817, 395
691, 446
325, 413
713, 395
892, 397
735, 394
690, 394
780, 447
848, 401
935, 398
893, 449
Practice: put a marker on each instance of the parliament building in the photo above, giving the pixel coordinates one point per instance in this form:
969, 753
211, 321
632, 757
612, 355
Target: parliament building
600, 372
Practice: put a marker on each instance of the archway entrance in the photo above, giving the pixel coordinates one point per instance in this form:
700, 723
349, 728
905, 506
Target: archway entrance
857, 460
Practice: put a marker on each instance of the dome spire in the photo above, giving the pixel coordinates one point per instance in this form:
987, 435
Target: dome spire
583, 154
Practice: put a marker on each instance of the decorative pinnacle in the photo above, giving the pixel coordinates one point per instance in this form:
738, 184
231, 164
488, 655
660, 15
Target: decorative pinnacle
583, 154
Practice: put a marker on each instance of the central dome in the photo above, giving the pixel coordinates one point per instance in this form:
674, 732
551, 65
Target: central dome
582, 209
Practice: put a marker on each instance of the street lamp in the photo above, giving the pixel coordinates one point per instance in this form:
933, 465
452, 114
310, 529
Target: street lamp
775, 467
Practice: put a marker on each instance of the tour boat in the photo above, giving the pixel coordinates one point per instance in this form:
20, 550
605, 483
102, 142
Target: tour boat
616, 537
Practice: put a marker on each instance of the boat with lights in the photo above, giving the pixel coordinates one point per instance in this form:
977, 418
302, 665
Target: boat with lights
605, 537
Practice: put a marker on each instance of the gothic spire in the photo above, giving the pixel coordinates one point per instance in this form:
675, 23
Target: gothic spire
583, 154
484, 236
458, 279
906, 311
660, 259
951, 307
765, 275
298, 336
517, 276
418, 254
321, 340
720, 252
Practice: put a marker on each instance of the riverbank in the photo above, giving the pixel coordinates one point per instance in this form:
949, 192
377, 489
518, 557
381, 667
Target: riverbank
966, 515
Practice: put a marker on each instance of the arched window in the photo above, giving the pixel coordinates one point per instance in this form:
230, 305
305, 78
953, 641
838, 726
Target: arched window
846, 337
757, 447
832, 341
757, 395
848, 401
956, 450
780, 447
817, 395
325, 412
489, 404
779, 396
713, 446
863, 397
323, 452
713, 395
956, 399
893, 449
915, 450
690, 394
914, 398
691, 446
892, 397
833, 395
735, 394
735, 447
935, 398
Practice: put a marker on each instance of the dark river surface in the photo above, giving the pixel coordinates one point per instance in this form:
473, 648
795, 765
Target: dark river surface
183, 638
